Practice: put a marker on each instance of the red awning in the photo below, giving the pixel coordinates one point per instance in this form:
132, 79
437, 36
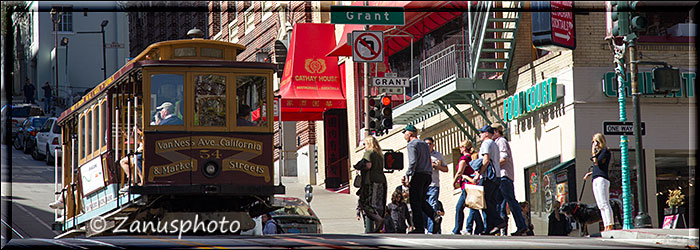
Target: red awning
421, 17
311, 81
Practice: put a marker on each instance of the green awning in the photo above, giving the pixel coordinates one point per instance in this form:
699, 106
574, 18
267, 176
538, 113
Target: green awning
561, 166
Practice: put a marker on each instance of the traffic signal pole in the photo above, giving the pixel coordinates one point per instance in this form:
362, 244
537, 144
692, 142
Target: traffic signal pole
642, 220
626, 192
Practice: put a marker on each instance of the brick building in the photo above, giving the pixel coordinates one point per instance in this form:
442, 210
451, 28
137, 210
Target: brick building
155, 21
257, 25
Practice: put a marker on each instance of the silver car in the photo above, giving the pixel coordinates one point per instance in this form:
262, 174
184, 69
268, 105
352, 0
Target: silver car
48, 140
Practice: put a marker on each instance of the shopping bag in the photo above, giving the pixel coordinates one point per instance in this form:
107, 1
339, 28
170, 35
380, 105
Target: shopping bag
475, 196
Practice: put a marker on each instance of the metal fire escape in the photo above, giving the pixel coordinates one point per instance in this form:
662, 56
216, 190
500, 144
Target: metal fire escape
461, 73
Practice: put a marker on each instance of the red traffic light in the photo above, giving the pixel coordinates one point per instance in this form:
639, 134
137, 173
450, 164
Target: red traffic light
386, 101
372, 102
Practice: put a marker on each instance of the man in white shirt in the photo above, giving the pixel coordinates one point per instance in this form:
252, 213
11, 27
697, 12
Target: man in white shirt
489, 155
506, 186
438, 164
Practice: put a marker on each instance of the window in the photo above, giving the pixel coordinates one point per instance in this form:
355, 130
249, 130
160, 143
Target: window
103, 123
251, 101
266, 9
95, 126
249, 21
222, 13
81, 140
210, 100
47, 126
212, 52
167, 95
185, 52
233, 32
88, 137
64, 18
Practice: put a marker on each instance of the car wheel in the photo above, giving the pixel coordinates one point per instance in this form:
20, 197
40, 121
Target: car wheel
16, 143
35, 154
27, 147
49, 159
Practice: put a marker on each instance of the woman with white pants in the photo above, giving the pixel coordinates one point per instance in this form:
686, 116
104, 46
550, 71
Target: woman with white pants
601, 182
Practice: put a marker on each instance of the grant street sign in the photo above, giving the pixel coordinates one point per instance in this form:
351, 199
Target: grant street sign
390, 81
368, 15
620, 128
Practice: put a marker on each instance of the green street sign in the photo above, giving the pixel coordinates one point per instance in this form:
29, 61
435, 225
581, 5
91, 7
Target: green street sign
367, 15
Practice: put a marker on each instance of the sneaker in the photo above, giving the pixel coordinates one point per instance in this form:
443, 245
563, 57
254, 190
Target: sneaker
520, 232
56, 204
125, 189
496, 229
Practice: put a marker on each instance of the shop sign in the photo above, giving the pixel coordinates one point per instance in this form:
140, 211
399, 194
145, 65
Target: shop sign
536, 97
646, 85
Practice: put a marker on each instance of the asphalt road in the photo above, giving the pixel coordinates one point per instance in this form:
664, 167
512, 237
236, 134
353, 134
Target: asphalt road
335, 241
30, 226
28, 193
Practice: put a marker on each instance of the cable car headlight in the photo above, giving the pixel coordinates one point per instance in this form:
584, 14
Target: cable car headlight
211, 169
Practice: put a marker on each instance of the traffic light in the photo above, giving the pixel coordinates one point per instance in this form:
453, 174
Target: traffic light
374, 116
385, 116
637, 22
620, 18
666, 79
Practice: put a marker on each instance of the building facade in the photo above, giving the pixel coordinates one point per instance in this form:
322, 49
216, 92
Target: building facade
148, 25
78, 29
555, 135
259, 25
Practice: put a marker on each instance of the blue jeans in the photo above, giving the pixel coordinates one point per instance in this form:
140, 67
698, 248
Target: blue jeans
491, 193
475, 216
433, 194
508, 197
47, 104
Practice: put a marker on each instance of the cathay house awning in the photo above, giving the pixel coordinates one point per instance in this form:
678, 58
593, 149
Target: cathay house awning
311, 81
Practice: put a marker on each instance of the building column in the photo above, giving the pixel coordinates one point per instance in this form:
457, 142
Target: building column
652, 206
290, 148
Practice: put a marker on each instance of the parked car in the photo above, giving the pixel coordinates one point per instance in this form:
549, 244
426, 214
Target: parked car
294, 216
47, 141
27, 132
20, 112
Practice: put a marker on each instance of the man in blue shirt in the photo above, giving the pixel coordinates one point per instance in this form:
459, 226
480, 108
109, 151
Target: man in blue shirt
418, 177
490, 155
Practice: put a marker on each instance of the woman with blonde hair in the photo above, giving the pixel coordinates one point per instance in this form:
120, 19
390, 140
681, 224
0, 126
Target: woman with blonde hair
373, 188
463, 175
601, 182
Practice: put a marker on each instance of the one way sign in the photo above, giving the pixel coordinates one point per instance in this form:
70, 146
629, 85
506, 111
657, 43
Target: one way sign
620, 128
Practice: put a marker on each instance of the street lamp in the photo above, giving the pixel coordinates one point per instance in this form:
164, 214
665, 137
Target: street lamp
56, 18
104, 59
64, 42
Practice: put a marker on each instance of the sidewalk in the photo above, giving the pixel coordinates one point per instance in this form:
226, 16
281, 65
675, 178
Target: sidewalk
336, 211
685, 237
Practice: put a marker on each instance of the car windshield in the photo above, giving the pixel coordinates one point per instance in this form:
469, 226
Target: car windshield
20, 111
293, 206
38, 122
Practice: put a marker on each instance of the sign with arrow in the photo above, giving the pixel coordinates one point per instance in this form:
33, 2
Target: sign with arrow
563, 24
621, 128
367, 46
553, 25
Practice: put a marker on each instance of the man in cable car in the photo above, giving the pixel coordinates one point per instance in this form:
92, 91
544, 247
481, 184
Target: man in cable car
244, 116
167, 111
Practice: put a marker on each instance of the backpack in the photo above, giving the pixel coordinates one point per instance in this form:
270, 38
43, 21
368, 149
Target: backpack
278, 228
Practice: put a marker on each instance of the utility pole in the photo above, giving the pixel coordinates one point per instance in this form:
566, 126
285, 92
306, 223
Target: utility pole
638, 23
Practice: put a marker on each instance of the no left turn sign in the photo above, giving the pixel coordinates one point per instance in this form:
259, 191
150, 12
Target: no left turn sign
367, 46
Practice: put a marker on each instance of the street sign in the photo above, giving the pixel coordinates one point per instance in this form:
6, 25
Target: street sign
620, 128
368, 46
553, 25
390, 90
114, 45
368, 15
563, 24
390, 81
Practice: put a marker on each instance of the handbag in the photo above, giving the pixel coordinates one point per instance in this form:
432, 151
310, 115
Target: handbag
358, 181
475, 196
